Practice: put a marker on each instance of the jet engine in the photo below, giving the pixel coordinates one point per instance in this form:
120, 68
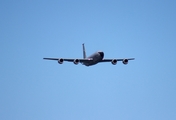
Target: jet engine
114, 61
60, 61
76, 61
125, 61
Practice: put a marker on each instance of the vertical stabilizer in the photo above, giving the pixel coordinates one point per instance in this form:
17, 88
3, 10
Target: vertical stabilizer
84, 52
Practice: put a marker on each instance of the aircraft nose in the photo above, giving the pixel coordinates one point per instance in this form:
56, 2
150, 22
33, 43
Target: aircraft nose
101, 54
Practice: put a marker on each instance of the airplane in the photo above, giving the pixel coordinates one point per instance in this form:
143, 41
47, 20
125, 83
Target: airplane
93, 59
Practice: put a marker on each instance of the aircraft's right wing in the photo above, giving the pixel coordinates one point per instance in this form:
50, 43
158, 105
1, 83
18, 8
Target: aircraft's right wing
76, 61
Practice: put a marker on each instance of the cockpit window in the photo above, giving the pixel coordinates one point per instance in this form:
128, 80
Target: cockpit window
101, 54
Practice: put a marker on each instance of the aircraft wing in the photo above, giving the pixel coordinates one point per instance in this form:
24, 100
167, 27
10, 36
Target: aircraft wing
69, 60
109, 60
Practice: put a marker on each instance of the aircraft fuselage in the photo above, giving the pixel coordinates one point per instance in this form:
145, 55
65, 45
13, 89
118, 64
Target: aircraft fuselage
96, 57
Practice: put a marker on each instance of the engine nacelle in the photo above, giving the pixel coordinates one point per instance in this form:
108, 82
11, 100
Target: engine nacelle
76, 61
60, 61
125, 61
114, 61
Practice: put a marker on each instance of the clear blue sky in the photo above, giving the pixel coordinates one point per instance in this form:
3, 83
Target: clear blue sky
34, 89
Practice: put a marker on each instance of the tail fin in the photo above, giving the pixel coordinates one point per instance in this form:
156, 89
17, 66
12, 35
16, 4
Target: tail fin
84, 52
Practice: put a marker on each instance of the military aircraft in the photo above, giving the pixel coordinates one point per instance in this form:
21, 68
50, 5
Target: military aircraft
93, 59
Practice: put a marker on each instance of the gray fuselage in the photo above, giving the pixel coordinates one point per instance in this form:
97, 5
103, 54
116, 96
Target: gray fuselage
96, 57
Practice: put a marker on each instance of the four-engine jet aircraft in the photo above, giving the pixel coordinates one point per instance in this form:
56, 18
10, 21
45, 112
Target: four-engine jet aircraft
91, 60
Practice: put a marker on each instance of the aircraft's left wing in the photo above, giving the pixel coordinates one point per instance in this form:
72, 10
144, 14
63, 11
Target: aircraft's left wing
114, 61
109, 60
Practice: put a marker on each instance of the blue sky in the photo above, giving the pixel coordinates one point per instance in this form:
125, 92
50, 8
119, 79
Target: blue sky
32, 88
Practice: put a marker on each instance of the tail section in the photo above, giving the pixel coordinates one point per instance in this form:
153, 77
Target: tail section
84, 52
